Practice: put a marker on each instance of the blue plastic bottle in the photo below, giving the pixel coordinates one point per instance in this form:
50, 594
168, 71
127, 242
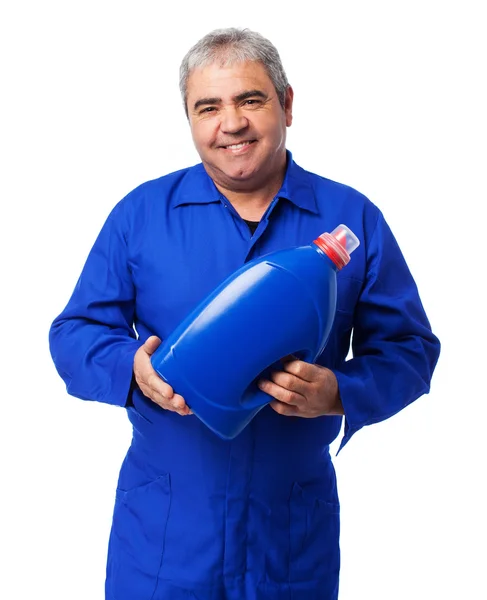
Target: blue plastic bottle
279, 304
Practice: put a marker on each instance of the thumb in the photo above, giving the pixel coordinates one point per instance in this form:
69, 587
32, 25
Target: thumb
151, 344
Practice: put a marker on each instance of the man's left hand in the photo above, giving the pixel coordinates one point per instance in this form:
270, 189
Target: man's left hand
302, 389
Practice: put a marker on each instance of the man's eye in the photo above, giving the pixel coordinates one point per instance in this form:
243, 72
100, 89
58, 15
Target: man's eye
207, 109
252, 101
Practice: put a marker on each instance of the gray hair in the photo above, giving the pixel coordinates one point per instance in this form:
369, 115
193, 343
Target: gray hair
230, 46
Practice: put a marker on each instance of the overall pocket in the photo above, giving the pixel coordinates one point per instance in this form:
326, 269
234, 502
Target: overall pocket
314, 539
137, 539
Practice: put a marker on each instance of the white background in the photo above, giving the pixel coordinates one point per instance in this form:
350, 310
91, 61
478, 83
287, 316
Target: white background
389, 98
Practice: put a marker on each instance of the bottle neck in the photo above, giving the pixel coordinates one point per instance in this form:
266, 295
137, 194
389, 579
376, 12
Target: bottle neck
332, 248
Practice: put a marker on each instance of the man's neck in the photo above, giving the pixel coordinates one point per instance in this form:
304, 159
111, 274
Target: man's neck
251, 197
251, 205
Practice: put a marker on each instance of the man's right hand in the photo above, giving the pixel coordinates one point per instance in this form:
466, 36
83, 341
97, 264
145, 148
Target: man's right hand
151, 385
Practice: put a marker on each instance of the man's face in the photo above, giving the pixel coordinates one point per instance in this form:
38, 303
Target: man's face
238, 124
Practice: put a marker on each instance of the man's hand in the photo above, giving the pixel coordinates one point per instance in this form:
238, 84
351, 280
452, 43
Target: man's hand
151, 384
303, 390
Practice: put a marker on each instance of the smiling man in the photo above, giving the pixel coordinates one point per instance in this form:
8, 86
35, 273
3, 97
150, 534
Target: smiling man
256, 517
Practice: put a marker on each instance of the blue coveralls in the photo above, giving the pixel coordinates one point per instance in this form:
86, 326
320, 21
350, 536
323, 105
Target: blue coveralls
255, 518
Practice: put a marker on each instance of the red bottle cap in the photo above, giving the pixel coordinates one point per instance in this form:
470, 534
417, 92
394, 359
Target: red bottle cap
338, 245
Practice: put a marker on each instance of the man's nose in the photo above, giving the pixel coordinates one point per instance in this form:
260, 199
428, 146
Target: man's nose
233, 120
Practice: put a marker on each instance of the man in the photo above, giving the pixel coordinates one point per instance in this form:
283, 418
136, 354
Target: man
256, 517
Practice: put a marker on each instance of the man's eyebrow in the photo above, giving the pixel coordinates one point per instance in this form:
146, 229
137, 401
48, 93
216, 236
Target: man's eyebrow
250, 94
205, 101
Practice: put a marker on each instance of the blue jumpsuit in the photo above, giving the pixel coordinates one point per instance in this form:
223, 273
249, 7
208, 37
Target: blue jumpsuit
257, 517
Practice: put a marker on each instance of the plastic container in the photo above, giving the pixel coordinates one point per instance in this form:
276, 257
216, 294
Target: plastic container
279, 304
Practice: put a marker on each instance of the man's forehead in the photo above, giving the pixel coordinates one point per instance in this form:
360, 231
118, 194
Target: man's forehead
215, 74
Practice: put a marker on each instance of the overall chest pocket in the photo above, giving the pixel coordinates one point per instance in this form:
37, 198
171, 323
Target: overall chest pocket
137, 539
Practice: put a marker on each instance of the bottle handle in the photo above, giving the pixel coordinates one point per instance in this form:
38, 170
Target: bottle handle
254, 397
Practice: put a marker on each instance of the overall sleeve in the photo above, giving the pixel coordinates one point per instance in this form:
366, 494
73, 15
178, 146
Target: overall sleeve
93, 342
394, 350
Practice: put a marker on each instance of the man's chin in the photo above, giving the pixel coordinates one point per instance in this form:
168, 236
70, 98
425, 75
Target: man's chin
233, 174
239, 169
243, 179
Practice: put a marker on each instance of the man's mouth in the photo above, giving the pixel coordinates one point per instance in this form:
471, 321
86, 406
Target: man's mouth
238, 146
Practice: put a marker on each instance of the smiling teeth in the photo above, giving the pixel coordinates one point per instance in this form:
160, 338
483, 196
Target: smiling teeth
237, 146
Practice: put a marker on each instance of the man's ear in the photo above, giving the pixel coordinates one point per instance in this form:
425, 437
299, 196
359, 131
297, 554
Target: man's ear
288, 105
